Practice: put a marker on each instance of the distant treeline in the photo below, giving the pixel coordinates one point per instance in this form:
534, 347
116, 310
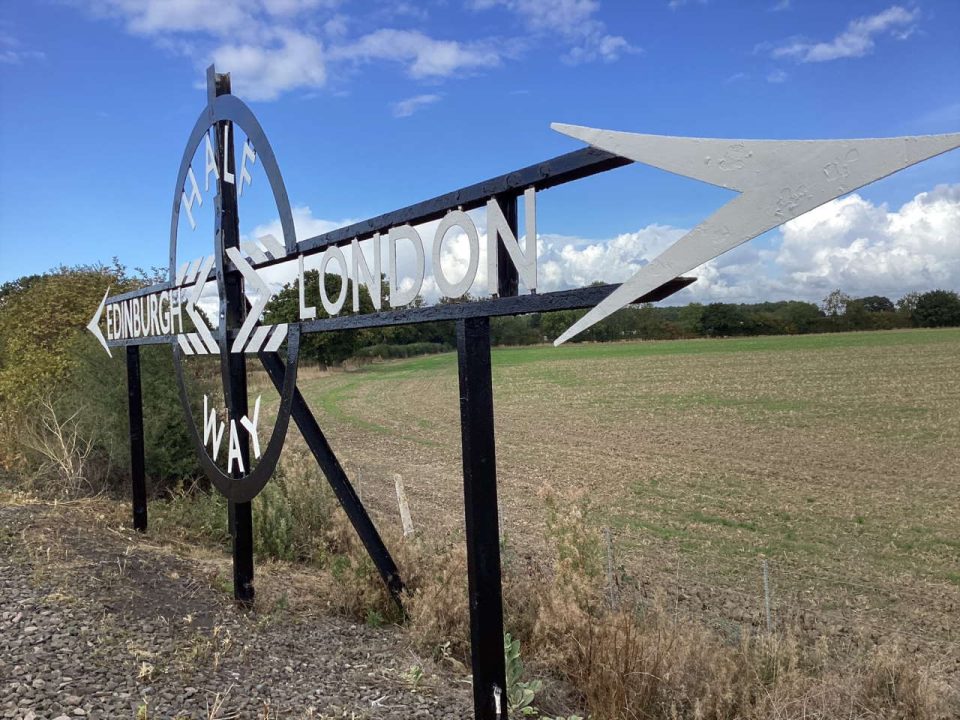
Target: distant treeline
837, 313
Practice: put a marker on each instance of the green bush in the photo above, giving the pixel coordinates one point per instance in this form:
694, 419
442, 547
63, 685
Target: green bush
97, 386
273, 525
937, 308
54, 374
292, 514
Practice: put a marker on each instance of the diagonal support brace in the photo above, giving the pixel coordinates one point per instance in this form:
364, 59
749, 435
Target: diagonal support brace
346, 495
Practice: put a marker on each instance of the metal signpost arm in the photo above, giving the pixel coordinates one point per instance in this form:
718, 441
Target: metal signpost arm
232, 313
480, 509
346, 495
137, 465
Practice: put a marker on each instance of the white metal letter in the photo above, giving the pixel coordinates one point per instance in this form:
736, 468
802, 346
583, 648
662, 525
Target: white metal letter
251, 427
407, 232
456, 218
306, 312
497, 226
227, 175
210, 163
194, 196
212, 429
372, 278
234, 451
333, 252
248, 152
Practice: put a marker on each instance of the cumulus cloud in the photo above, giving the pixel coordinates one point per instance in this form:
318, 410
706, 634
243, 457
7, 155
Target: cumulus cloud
857, 40
265, 71
425, 57
574, 21
272, 47
865, 248
850, 243
406, 108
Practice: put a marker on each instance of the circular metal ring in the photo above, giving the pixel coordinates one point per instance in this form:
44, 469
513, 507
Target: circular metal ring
245, 488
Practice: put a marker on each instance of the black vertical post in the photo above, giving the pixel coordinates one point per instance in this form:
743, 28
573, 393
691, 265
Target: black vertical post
233, 366
480, 508
137, 470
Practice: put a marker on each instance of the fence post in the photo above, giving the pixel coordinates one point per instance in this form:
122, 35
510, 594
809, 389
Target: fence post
137, 466
405, 518
611, 581
766, 594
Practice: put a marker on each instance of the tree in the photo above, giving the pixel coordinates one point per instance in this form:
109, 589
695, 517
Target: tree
326, 348
835, 304
908, 303
719, 319
876, 304
937, 308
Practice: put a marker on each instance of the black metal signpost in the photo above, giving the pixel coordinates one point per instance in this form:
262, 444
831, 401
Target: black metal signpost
474, 368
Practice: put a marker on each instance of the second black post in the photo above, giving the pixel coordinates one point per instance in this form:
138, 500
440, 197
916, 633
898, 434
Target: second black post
480, 507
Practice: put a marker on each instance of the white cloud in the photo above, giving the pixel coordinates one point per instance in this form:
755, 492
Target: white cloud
425, 57
572, 20
865, 248
856, 41
406, 108
776, 76
305, 225
850, 243
272, 47
12, 51
567, 262
150, 17
263, 72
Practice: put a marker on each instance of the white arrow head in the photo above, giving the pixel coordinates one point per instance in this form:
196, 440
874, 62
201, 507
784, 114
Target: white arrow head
778, 181
94, 325
251, 277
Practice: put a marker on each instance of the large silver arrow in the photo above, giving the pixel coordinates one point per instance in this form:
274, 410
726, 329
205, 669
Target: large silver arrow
94, 325
263, 297
778, 181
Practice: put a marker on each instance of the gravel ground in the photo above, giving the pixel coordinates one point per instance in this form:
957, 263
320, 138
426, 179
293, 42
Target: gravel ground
96, 624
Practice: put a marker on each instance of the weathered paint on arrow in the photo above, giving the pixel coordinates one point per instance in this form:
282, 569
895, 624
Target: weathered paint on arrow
778, 181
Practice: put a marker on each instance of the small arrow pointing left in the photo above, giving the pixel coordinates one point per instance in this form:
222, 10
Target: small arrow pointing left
94, 325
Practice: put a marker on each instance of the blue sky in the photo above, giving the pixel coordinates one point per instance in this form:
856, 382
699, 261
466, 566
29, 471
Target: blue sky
373, 105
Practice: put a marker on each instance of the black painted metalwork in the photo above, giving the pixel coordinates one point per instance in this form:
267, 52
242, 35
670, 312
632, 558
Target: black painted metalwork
224, 113
556, 171
337, 477
494, 307
137, 465
233, 366
222, 109
480, 510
